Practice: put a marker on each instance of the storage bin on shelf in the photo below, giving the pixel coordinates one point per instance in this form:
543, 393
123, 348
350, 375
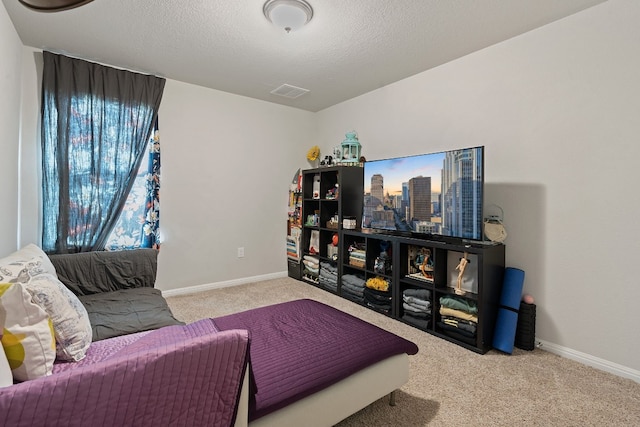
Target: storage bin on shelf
358, 258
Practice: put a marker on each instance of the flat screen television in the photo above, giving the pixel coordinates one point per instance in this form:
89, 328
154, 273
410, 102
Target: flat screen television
436, 194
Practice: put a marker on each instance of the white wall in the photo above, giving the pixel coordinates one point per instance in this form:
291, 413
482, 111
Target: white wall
10, 52
558, 110
30, 211
227, 162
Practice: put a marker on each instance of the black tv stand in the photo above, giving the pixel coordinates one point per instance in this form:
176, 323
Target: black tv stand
482, 279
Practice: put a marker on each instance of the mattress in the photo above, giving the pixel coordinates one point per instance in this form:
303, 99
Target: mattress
301, 347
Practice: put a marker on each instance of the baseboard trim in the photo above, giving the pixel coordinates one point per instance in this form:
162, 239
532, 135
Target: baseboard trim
225, 284
589, 360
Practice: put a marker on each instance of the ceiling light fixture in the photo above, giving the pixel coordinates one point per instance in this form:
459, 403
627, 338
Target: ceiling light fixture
53, 5
288, 14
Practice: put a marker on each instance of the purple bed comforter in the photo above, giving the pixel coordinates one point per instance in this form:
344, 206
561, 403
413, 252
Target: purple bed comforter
177, 375
303, 346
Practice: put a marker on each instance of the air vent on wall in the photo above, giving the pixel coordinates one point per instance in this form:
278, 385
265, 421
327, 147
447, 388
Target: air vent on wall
289, 91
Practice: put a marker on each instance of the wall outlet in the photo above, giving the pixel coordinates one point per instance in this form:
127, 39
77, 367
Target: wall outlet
240, 252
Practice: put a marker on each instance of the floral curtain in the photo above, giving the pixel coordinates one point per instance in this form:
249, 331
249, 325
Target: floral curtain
139, 222
96, 123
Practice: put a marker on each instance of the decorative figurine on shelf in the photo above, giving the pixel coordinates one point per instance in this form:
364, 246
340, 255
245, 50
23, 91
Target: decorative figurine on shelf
312, 220
461, 267
316, 186
337, 154
334, 244
421, 267
332, 193
424, 263
382, 263
350, 149
313, 155
327, 161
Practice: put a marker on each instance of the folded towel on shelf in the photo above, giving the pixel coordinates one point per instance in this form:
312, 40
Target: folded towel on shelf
422, 323
355, 290
353, 279
466, 325
445, 311
459, 303
424, 294
417, 302
415, 310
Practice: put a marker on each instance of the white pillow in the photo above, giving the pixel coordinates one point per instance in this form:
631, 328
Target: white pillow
11, 266
6, 377
70, 319
27, 338
32, 267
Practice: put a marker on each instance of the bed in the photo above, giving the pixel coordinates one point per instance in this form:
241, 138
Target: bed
311, 364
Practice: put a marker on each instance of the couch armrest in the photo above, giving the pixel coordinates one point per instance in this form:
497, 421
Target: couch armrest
89, 273
195, 381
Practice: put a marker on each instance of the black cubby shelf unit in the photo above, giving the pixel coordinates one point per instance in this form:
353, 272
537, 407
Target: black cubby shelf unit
330, 194
430, 265
417, 265
481, 283
369, 256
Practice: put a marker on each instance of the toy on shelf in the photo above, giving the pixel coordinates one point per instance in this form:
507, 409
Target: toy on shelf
327, 161
382, 264
316, 186
420, 264
332, 193
461, 267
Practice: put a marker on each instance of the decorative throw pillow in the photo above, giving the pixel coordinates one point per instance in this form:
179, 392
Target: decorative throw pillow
27, 337
6, 377
70, 319
32, 267
25, 263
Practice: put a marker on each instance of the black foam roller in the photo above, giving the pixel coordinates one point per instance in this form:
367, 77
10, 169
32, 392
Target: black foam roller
526, 329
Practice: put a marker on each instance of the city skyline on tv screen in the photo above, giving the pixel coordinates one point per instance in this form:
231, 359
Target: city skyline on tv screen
436, 193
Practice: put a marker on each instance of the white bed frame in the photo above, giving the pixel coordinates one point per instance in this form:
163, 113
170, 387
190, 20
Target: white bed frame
335, 403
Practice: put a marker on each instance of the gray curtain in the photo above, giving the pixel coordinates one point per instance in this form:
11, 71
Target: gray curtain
96, 122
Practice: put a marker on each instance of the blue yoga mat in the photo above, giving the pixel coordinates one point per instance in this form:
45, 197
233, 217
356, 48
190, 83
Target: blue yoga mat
512, 285
504, 335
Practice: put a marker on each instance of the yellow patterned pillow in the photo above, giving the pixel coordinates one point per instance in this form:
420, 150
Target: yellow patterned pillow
31, 267
6, 377
27, 334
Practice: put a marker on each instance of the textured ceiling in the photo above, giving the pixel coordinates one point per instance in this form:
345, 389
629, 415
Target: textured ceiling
350, 47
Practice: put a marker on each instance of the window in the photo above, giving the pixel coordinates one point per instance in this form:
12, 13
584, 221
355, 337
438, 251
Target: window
139, 223
96, 123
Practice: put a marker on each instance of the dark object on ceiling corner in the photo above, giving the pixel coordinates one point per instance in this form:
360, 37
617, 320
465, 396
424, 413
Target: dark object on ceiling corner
53, 5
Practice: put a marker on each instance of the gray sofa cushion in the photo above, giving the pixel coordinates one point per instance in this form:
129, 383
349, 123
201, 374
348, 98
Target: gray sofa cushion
93, 272
127, 311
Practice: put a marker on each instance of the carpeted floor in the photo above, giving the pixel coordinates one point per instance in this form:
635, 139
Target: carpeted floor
449, 385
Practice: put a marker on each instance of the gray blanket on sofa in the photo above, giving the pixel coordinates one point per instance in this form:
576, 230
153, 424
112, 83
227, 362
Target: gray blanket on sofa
94, 272
117, 289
